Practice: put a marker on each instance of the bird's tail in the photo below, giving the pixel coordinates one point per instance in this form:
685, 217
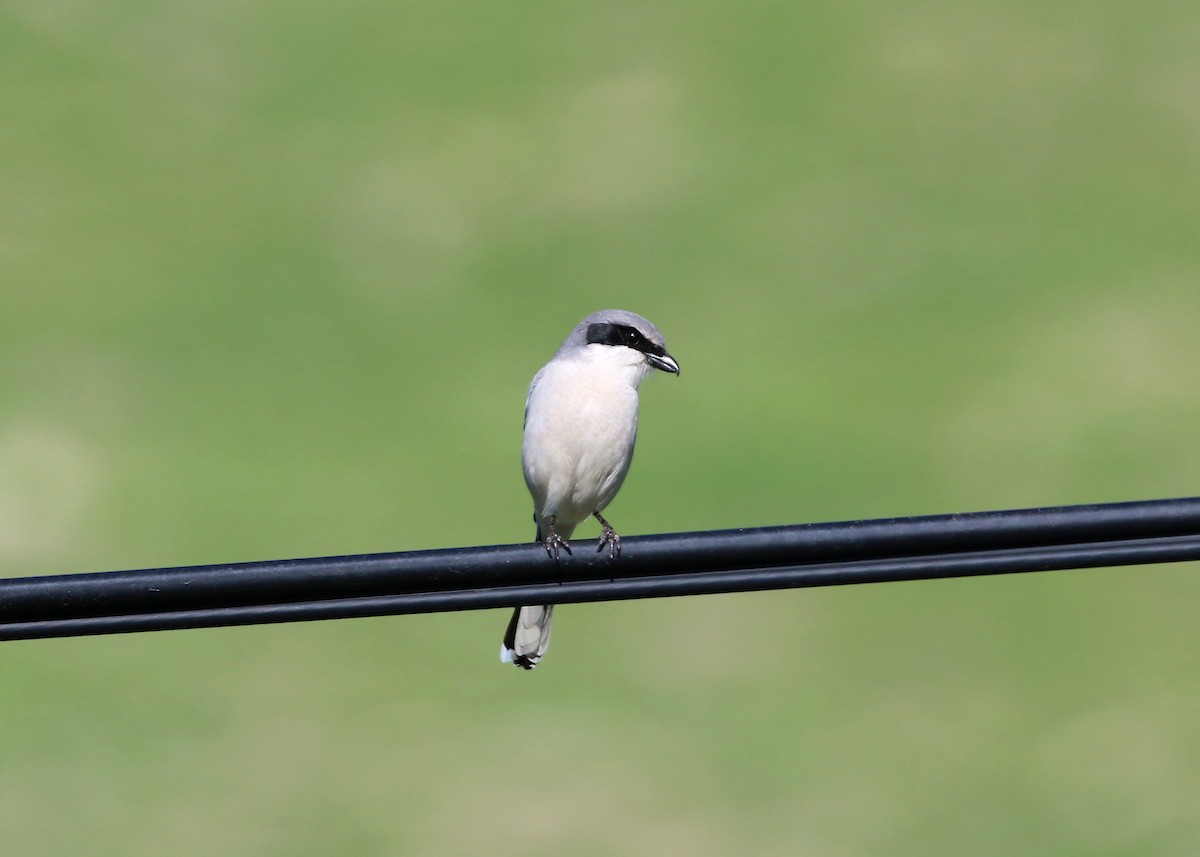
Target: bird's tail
528, 636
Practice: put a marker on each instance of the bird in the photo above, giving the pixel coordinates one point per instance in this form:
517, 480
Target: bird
580, 426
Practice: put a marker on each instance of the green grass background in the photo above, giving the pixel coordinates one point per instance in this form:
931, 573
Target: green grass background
276, 277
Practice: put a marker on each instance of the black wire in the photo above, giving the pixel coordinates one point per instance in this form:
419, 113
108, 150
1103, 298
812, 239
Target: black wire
649, 566
1008, 561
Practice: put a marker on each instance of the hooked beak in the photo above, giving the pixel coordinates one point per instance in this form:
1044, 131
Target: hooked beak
664, 362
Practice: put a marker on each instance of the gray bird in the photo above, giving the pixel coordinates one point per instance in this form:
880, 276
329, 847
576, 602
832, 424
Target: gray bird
580, 426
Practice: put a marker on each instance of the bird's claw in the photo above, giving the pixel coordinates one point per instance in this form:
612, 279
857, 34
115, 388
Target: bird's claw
608, 536
553, 542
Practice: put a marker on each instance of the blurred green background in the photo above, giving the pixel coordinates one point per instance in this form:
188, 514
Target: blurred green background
276, 277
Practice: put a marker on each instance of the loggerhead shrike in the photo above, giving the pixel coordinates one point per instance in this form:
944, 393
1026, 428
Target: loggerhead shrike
580, 425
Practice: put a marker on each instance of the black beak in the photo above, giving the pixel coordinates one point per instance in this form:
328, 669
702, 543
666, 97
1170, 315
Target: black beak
664, 362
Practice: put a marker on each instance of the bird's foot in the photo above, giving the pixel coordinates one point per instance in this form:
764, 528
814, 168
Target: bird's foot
609, 537
553, 542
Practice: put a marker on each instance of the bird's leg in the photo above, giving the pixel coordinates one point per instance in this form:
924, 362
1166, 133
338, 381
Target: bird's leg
608, 536
553, 541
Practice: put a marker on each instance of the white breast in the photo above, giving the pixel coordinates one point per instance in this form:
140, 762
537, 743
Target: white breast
580, 427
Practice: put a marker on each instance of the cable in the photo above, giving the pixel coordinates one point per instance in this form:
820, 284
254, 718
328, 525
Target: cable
649, 566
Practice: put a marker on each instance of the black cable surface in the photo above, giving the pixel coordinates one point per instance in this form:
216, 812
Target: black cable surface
649, 566
938, 566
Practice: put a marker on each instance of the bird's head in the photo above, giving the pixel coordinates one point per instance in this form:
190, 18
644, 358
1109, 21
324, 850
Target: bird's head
620, 328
